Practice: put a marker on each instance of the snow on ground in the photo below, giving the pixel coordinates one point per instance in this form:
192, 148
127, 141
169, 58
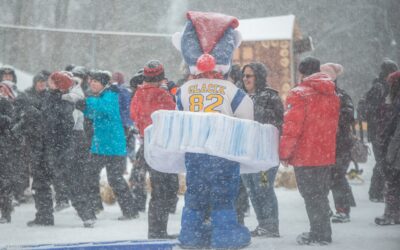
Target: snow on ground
360, 233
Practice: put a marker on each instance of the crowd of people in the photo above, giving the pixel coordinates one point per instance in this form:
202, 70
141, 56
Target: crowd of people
70, 124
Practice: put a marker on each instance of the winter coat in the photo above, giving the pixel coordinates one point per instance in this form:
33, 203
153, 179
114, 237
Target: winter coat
6, 144
6, 113
125, 96
310, 123
108, 138
376, 108
58, 124
268, 107
344, 141
390, 137
30, 107
149, 98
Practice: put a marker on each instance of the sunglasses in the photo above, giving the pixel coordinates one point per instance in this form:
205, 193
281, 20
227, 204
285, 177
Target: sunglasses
248, 76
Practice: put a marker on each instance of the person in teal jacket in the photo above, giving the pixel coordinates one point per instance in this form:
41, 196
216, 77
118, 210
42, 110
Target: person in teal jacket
108, 148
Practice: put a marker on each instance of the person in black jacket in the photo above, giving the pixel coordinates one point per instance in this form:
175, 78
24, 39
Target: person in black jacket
20, 177
28, 126
59, 123
341, 190
376, 110
390, 141
268, 109
6, 138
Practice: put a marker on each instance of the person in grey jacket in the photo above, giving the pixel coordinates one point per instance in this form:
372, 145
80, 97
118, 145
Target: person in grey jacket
268, 109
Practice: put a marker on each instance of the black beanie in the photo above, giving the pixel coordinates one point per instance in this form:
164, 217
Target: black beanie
80, 71
153, 71
102, 76
41, 76
309, 66
137, 79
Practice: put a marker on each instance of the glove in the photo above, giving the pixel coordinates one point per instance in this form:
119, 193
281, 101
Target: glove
80, 105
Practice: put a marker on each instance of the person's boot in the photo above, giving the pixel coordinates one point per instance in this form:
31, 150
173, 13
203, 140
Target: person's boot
227, 232
40, 222
386, 220
267, 231
309, 238
89, 223
340, 218
195, 232
129, 216
5, 219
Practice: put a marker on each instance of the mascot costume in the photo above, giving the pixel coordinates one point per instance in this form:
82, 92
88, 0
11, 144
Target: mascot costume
212, 137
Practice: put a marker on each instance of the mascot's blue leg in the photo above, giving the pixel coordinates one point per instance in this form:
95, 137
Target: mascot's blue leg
225, 182
195, 233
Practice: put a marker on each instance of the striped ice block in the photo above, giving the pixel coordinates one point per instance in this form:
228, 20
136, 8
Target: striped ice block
173, 133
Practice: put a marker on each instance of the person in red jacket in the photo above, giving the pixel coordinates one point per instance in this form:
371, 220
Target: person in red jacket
150, 97
308, 142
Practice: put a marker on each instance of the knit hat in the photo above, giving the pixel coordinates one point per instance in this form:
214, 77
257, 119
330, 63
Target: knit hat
39, 77
62, 80
137, 79
153, 71
118, 77
102, 76
309, 66
332, 69
80, 71
208, 41
387, 67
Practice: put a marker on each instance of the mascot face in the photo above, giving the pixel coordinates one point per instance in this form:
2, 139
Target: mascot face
208, 41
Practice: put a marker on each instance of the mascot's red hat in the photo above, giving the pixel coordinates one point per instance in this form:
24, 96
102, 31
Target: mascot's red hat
208, 41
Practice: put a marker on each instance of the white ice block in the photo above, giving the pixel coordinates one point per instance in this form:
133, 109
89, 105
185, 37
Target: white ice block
173, 133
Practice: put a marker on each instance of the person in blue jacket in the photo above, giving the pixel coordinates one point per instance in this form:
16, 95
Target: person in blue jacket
108, 148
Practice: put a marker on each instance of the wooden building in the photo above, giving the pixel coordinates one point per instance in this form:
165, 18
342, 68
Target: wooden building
276, 42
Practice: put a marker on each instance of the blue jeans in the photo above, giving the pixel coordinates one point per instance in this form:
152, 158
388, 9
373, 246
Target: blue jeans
260, 187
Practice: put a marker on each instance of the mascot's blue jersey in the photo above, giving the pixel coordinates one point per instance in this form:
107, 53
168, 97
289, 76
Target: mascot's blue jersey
214, 95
